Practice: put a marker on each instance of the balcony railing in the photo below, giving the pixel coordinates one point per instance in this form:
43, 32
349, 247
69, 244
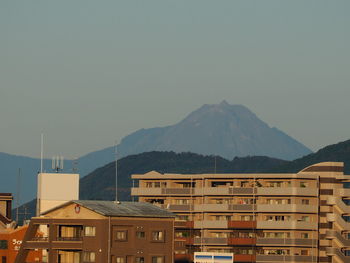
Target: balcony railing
40, 239
69, 239
286, 241
285, 258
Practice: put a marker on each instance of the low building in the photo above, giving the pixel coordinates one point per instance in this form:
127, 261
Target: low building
11, 236
102, 232
289, 217
11, 240
5, 209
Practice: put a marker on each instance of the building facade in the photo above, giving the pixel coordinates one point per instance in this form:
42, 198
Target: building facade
301, 217
5, 209
11, 240
102, 232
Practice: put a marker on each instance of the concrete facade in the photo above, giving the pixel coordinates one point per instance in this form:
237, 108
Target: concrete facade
301, 217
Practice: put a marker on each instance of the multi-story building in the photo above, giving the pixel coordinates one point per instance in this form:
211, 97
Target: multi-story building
5, 209
102, 232
296, 217
11, 236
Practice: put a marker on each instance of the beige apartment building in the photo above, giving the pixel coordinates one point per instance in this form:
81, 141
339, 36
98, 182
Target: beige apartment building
299, 217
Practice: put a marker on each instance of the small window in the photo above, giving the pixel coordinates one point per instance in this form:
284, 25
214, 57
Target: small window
140, 234
158, 259
304, 235
3, 244
139, 260
119, 260
121, 235
305, 201
90, 231
157, 236
89, 257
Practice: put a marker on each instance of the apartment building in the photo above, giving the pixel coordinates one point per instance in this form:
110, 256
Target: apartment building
102, 232
5, 209
299, 217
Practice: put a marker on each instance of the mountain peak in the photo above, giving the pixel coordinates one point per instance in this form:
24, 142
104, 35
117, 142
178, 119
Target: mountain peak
219, 129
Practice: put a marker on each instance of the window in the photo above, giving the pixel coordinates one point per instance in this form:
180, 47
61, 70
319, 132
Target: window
157, 236
119, 260
3, 244
304, 235
121, 235
140, 234
304, 184
90, 231
89, 256
305, 201
139, 260
158, 259
304, 252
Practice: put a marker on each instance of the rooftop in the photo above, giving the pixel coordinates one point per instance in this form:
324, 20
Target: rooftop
124, 209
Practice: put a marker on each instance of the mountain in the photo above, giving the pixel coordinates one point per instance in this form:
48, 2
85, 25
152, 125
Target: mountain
100, 184
339, 152
220, 129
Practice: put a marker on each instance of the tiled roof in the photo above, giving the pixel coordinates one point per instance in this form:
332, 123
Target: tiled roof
127, 209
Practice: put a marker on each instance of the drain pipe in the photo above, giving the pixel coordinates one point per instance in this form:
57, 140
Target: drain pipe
109, 240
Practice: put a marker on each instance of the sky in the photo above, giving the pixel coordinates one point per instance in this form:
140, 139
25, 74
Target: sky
87, 73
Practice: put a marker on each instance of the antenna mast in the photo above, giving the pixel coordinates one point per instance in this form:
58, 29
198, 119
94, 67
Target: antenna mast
18, 193
41, 153
116, 171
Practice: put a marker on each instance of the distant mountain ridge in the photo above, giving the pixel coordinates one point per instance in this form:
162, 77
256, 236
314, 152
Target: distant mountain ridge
220, 129
100, 184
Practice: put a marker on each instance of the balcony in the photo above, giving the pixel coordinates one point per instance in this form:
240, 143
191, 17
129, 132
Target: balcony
184, 224
287, 208
242, 224
241, 241
287, 191
286, 225
286, 241
244, 258
177, 208
332, 234
331, 251
210, 241
285, 258
211, 224
142, 191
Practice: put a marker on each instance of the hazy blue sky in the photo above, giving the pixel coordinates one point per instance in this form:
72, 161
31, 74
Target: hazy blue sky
87, 73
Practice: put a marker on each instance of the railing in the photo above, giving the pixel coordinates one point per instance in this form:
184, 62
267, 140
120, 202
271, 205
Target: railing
69, 239
339, 220
332, 234
241, 224
184, 224
40, 239
286, 225
333, 200
210, 241
211, 224
285, 258
286, 241
331, 251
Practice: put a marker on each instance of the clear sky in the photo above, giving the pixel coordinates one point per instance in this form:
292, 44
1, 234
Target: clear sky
87, 73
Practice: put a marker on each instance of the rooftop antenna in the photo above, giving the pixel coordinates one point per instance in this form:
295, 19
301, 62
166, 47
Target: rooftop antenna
116, 171
41, 153
75, 165
57, 163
